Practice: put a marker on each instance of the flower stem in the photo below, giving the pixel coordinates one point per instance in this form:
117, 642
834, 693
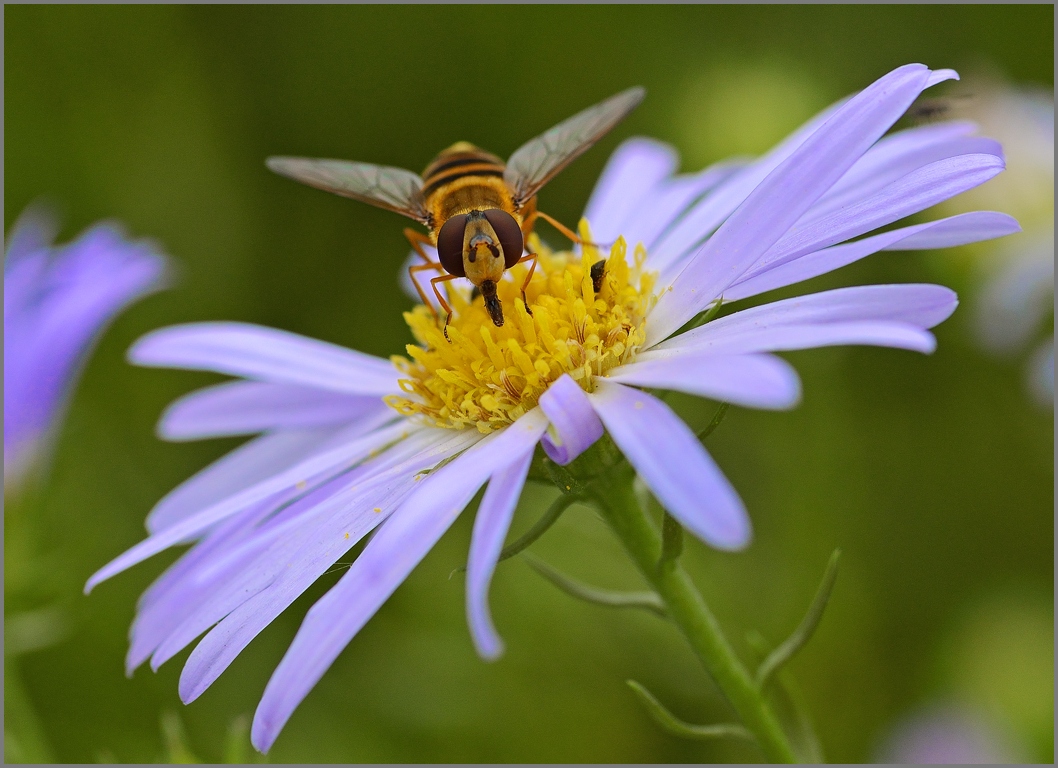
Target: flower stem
616, 500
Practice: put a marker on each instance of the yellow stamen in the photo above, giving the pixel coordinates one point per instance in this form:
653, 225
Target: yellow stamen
487, 377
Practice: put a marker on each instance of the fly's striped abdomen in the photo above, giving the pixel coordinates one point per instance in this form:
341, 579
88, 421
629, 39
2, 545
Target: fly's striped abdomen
459, 161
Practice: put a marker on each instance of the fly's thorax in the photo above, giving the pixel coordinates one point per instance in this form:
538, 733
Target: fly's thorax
459, 162
469, 193
585, 321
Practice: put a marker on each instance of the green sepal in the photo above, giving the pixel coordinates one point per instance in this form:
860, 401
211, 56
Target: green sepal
807, 742
804, 630
684, 730
558, 506
721, 412
648, 601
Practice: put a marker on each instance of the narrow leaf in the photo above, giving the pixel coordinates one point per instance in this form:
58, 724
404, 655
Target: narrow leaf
810, 749
558, 506
804, 630
721, 412
648, 601
678, 727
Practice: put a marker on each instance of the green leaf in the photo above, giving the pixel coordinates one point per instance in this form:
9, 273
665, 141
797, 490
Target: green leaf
648, 601
558, 506
807, 743
678, 727
804, 630
721, 412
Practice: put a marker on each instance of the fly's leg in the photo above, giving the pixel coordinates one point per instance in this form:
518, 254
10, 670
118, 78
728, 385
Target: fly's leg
418, 240
528, 277
429, 266
441, 299
535, 214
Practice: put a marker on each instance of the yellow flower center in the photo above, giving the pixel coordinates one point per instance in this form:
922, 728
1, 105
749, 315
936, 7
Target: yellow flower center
488, 376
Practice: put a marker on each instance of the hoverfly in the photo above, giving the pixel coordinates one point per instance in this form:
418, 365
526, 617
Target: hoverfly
479, 211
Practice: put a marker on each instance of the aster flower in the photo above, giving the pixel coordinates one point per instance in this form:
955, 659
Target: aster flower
57, 301
948, 734
353, 444
1016, 293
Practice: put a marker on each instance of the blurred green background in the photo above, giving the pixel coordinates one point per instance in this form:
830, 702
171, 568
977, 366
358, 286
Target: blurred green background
933, 474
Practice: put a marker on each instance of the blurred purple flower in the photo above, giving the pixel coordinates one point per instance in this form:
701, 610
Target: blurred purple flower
335, 462
1016, 296
945, 734
57, 301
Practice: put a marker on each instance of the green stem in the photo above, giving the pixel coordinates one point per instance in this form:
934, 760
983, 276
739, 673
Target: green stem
642, 540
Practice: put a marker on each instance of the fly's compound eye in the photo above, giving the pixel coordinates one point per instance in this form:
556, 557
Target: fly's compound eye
450, 245
509, 233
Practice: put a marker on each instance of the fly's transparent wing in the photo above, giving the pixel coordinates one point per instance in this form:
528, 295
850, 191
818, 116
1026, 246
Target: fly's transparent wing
394, 189
538, 160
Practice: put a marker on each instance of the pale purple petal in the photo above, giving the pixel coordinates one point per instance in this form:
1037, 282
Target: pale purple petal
789, 337
847, 192
671, 200
641, 207
899, 153
678, 243
674, 465
940, 75
785, 195
955, 230
755, 381
490, 529
634, 170
188, 595
57, 301
910, 194
237, 471
33, 230
755, 329
266, 354
247, 407
574, 424
306, 471
295, 562
182, 588
262, 551
943, 233
389, 557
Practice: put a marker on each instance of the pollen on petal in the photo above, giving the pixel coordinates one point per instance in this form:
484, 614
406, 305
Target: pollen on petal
486, 377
